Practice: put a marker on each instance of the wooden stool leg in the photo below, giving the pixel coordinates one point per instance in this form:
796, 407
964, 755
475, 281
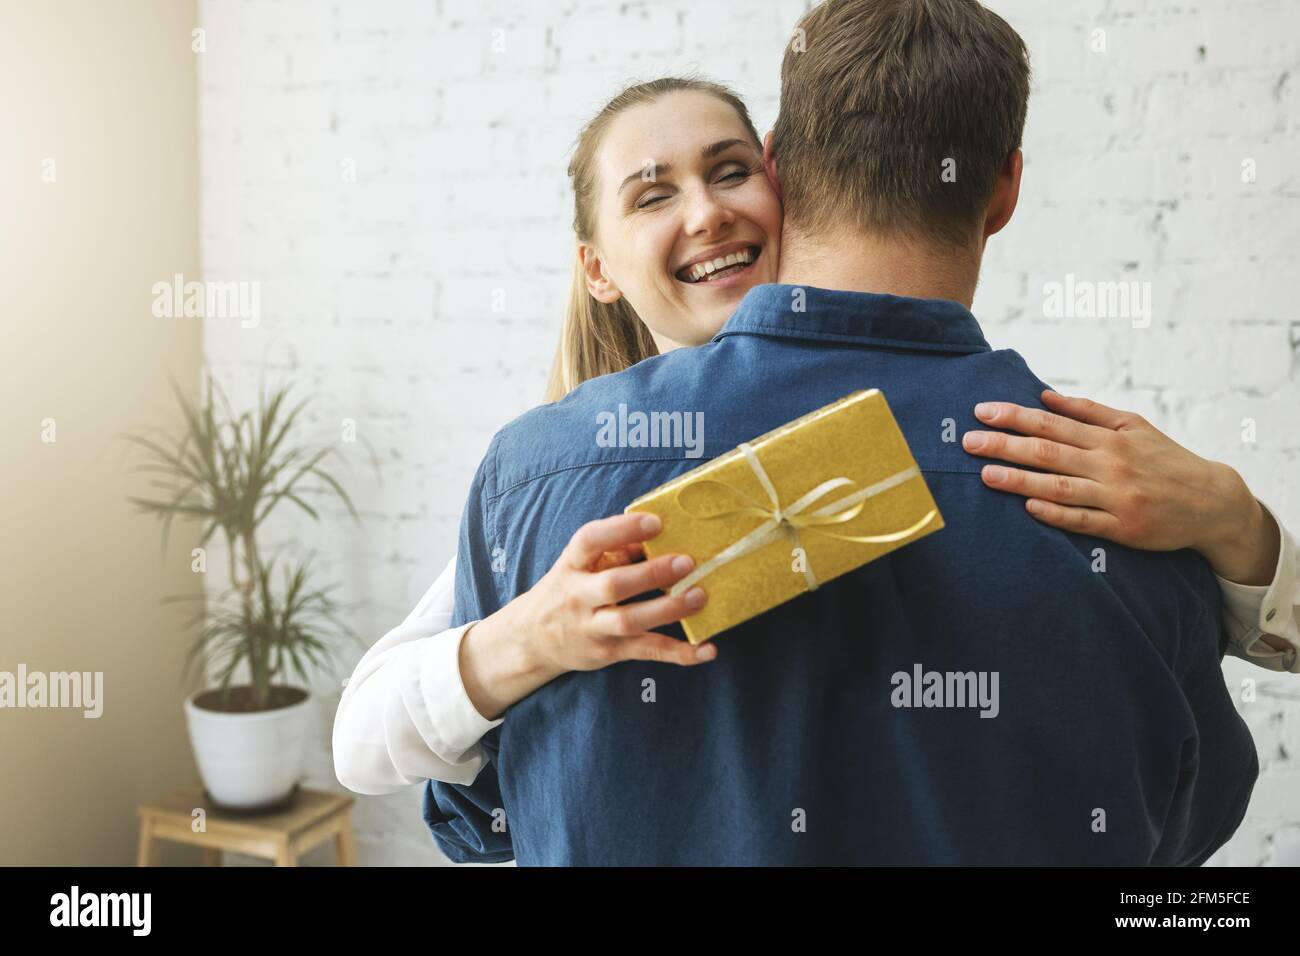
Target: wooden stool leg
345, 844
212, 856
285, 854
147, 850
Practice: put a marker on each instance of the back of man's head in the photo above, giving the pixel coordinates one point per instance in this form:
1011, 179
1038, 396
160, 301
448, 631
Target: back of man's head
897, 116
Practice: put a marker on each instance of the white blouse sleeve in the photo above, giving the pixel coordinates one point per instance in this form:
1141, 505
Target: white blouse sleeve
405, 716
1250, 612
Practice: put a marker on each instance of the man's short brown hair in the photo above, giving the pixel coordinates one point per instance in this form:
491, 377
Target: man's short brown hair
881, 98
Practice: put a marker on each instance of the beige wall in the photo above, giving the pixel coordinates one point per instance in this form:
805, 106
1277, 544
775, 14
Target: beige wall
108, 91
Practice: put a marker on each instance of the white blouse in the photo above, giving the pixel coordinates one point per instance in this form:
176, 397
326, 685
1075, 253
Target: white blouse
405, 716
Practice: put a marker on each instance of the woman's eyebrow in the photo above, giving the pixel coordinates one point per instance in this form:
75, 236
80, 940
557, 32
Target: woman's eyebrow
653, 168
708, 152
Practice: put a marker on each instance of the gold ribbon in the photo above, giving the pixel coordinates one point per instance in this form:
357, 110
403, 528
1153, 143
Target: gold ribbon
790, 520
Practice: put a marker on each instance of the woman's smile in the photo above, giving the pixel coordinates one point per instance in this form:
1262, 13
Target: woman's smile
723, 267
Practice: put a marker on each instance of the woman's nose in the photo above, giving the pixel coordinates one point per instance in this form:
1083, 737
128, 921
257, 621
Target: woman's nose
706, 215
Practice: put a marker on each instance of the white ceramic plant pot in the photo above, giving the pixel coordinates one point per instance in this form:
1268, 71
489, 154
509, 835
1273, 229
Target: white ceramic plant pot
249, 760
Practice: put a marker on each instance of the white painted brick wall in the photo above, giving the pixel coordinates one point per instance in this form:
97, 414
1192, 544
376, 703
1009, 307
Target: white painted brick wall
377, 294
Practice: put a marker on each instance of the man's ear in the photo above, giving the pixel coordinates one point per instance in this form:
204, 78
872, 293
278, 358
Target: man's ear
769, 165
600, 285
1006, 193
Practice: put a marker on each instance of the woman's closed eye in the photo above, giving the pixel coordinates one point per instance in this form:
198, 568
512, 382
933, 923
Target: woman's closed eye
730, 174
736, 173
650, 199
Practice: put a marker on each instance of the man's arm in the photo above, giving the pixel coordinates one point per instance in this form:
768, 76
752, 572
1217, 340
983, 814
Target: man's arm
468, 821
1219, 763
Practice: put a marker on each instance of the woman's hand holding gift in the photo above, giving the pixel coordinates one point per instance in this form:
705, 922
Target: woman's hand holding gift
572, 619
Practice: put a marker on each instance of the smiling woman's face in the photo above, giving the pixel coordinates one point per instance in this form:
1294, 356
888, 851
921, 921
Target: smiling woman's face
686, 221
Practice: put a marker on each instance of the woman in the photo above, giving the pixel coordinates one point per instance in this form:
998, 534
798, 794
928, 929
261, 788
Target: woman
421, 699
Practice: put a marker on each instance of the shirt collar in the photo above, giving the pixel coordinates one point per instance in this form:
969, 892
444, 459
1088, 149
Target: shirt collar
865, 318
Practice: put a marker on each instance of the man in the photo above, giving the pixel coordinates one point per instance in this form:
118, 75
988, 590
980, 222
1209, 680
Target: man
1104, 734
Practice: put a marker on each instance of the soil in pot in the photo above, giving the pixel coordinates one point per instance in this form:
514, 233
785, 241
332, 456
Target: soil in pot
240, 699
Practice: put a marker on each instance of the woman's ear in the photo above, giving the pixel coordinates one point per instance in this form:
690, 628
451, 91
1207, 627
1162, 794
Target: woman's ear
769, 165
599, 284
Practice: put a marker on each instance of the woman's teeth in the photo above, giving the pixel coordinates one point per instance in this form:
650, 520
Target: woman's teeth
720, 267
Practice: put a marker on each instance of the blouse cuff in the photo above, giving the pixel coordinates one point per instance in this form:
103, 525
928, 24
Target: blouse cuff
1272, 609
437, 700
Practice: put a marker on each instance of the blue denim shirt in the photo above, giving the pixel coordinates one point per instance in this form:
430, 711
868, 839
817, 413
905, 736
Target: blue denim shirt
1113, 741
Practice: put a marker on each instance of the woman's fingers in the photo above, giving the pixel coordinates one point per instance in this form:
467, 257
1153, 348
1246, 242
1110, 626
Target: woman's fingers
1039, 452
662, 648
1062, 489
608, 534
1086, 410
1039, 423
620, 583
1101, 524
619, 557
625, 620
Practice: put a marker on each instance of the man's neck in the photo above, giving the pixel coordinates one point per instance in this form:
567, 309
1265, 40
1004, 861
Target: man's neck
861, 262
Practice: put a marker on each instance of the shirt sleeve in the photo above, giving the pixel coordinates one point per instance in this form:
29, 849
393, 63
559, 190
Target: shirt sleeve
405, 716
1251, 611
468, 820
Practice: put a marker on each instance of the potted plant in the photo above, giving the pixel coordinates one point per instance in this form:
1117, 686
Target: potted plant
232, 472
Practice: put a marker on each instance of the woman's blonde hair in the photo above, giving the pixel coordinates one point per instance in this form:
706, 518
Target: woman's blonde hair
598, 337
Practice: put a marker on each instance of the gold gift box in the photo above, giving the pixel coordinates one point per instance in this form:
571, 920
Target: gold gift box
847, 489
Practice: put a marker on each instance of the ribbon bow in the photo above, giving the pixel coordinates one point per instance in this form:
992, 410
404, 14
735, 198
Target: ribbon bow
790, 520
